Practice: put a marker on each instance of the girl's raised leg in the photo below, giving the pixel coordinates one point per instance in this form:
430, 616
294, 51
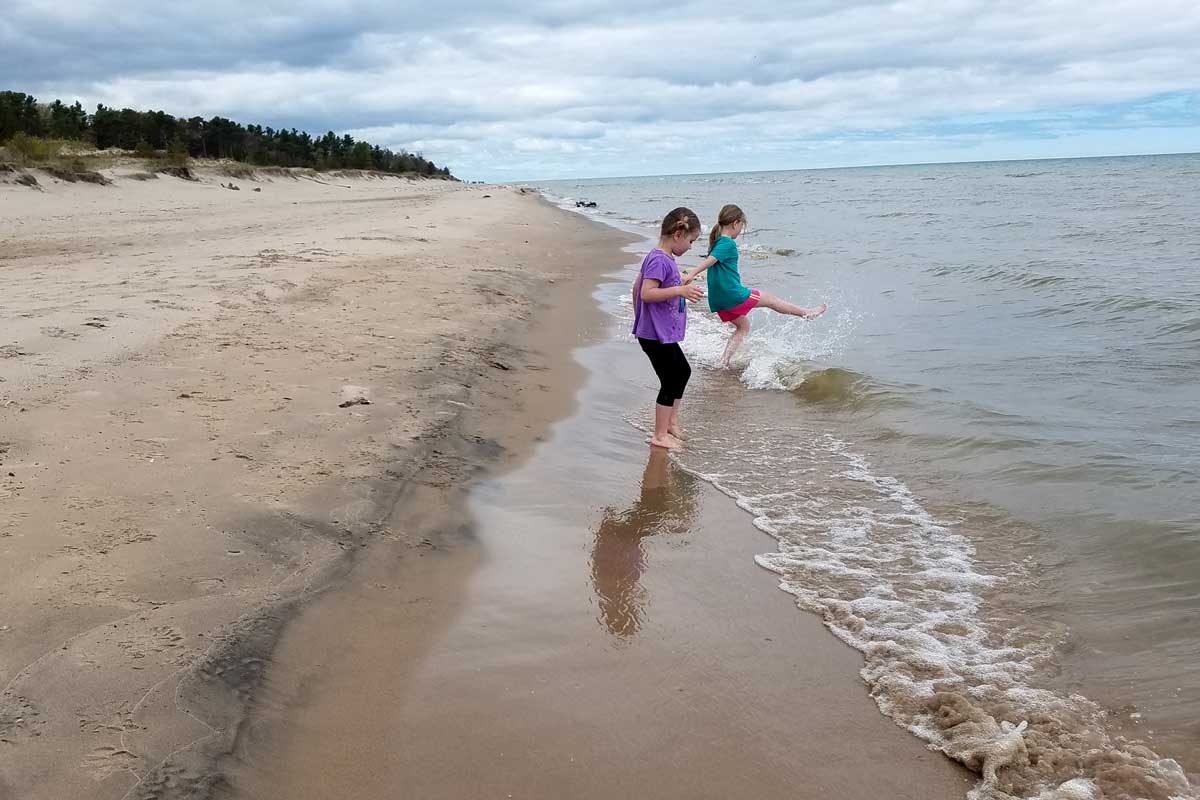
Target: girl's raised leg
784, 307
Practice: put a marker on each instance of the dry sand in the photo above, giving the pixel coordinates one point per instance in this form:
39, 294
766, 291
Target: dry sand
223, 575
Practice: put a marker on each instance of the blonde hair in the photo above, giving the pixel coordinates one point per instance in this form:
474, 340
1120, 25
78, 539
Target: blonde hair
680, 220
729, 215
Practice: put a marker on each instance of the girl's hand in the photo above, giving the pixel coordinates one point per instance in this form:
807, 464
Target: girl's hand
692, 293
688, 278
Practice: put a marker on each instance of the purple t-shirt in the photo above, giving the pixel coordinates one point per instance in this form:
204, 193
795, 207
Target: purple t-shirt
665, 322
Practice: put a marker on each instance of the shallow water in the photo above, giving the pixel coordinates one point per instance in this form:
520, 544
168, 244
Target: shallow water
982, 466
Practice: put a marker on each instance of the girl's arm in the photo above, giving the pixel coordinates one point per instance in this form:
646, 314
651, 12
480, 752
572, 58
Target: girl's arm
653, 293
699, 270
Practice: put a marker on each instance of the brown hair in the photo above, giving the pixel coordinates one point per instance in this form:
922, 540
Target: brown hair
680, 219
729, 215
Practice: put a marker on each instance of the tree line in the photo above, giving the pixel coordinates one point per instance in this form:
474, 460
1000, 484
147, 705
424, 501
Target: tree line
196, 137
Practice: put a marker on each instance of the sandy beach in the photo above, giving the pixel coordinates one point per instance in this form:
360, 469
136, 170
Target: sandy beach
284, 516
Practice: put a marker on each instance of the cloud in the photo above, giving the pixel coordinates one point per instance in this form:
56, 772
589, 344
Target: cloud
507, 89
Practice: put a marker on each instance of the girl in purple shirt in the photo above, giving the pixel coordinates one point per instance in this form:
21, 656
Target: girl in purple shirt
660, 320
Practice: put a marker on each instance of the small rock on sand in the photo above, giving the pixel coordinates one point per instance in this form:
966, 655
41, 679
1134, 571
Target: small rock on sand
354, 396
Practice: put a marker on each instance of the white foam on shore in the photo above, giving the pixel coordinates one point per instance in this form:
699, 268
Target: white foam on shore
903, 588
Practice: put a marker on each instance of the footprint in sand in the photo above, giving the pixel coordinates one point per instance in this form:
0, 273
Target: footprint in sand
106, 541
159, 639
17, 715
55, 332
120, 722
104, 761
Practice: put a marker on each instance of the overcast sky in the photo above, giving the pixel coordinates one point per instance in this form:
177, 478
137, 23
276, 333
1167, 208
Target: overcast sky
565, 88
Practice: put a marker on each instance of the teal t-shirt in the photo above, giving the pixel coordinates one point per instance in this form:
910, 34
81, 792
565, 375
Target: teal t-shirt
725, 290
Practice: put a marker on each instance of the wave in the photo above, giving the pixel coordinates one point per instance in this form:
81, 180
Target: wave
760, 251
1094, 472
844, 388
831, 385
899, 214
960, 444
906, 590
1077, 292
1009, 275
1124, 304
1185, 326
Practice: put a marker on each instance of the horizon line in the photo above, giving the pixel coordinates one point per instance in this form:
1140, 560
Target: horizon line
862, 166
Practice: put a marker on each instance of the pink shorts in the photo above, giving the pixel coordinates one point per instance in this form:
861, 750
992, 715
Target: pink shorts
740, 310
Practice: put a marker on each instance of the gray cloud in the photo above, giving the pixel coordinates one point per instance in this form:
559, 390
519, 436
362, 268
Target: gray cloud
508, 88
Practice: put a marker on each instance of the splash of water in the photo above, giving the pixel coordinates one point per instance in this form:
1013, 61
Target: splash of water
780, 351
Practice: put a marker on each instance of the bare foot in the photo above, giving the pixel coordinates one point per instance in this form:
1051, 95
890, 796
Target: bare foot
678, 432
813, 313
669, 442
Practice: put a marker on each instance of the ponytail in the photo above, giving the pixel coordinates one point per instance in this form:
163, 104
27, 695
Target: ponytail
713, 235
729, 215
680, 220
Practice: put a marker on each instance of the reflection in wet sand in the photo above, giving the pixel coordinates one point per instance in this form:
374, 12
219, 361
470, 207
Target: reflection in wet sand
666, 504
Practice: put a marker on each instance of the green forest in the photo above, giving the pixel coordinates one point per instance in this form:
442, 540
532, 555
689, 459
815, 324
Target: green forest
148, 132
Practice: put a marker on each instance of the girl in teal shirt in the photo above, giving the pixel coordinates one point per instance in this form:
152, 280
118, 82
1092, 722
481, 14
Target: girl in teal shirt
726, 295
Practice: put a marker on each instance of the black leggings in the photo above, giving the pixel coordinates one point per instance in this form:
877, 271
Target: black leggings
670, 366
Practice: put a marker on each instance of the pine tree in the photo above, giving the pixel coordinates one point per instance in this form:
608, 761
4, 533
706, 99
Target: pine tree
149, 131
